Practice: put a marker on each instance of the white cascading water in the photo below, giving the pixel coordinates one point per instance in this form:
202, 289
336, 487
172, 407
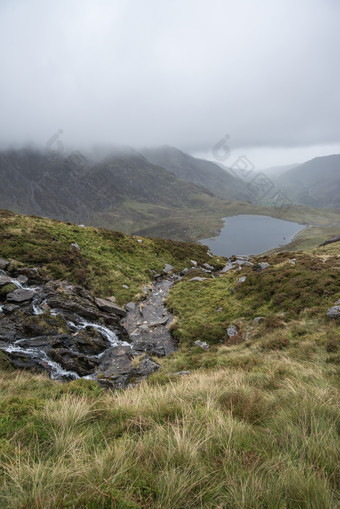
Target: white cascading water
57, 371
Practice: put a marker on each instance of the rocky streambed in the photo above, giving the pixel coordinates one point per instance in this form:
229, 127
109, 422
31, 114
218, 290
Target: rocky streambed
58, 327
61, 328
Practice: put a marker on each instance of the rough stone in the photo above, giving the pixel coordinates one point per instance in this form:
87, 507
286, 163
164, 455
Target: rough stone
242, 279
20, 295
258, 319
333, 312
207, 266
198, 278
109, 307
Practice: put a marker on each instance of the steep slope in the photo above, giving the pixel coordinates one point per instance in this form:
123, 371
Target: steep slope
315, 183
199, 171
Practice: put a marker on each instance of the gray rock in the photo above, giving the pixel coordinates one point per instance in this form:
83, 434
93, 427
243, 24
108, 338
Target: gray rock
20, 295
130, 306
193, 263
161, 321
198, 278
9, 308
168, 268
232, 331
3, 264
333, 312
184, 271
109, 307
202, 344
337, 303
258, 319
5, 280
259, 267
207, 266
125, 286
75, 245
219, 310
336, 238
242, 279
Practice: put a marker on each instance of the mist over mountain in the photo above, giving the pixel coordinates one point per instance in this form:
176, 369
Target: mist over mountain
315, 183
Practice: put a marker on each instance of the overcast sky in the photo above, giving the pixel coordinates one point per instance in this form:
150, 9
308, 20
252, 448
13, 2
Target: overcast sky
177, 72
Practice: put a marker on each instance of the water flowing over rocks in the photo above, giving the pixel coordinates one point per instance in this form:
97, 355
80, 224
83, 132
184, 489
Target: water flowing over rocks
61, 328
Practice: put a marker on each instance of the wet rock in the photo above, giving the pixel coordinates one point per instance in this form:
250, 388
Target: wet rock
73, 361
110, 307
157, 344
3, 264
120, 366
202, 344
333, 312
8, 309
21, 360
259, 267
20, 295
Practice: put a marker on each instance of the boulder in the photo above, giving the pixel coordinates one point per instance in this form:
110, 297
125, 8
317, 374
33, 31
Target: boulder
109, 307
333, 312
20, 295
259, 267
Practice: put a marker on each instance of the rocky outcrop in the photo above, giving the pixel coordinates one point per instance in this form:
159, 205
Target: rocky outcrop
336, 238
61, 328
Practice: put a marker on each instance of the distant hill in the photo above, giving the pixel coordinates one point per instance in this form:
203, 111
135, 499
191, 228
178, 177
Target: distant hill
123, 190
315, 183
199, 171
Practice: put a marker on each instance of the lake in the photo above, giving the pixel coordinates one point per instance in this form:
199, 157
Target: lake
250, 235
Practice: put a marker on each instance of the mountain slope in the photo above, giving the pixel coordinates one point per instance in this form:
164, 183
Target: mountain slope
122, 191
315, 183
199, 171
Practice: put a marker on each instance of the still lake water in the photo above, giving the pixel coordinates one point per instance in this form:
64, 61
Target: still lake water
250, 235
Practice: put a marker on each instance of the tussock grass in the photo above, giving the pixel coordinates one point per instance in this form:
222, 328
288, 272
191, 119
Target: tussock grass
228, 437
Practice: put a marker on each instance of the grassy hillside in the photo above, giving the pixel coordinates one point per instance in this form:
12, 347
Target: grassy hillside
254, 425
105, 260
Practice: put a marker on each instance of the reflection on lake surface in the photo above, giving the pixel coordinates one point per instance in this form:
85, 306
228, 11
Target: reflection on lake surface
249, 234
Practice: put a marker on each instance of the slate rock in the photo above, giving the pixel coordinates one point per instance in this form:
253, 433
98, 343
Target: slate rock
20, 295
109, 307
168, 268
